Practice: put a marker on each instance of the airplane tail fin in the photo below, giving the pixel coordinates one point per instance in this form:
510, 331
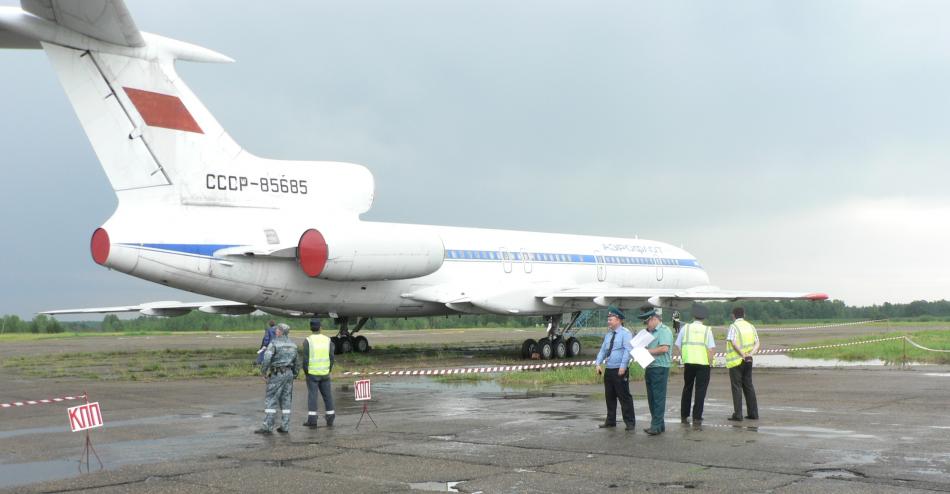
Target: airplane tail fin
143, 122
155, 140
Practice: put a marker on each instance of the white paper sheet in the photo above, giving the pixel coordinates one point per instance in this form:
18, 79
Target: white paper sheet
642, 356
642, 339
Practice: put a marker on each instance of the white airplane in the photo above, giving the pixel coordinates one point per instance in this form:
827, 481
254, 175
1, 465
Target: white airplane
199, 213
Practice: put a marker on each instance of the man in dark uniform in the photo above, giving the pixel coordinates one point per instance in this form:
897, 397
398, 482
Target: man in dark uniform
317, 364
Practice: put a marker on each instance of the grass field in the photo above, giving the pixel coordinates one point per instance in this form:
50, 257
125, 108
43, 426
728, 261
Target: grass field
171, 364
895, 351
11, 337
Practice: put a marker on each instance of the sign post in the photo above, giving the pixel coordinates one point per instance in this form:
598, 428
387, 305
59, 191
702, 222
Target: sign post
363, 392
83, 418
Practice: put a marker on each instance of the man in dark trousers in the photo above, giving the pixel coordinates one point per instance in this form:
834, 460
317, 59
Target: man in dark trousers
317, 364
615, 356
657, 375
697, 349
742, 342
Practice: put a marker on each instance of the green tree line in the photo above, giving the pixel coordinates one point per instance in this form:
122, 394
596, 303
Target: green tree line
761, 312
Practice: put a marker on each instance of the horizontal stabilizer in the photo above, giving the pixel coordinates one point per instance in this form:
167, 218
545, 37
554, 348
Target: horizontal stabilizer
104, 20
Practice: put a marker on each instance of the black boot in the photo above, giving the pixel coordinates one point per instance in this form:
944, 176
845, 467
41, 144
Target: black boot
330, 418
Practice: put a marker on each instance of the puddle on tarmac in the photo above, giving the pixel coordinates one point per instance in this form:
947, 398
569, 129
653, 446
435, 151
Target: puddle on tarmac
132, 452
929, 471
28, 473
813, 432
784, 361
435, 486
557, 415
115, 423
836, 473
792, 362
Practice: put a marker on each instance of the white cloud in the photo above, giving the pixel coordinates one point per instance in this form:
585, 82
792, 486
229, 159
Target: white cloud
863, 251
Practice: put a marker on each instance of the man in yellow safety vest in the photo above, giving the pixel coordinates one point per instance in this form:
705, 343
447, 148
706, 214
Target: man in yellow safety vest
317, 363
697, 348
742, 343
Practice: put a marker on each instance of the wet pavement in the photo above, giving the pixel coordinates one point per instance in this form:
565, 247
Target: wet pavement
874, 428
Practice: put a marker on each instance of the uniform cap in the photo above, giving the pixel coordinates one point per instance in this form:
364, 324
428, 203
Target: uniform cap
284, 328
648, 311
615, 312
315, 324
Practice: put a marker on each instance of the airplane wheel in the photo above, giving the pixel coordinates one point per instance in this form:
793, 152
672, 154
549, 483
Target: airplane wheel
528, 348
545, 348
361, 344
560, 349
336, 345
573, 347
346, 346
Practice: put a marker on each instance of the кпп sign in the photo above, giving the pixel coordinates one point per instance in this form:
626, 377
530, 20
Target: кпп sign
85, 416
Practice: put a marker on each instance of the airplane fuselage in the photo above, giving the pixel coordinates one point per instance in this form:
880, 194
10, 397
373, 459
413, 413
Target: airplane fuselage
478, 270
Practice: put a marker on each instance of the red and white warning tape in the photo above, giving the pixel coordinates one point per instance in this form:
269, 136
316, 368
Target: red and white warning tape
472, 370
41, 402
573, 363
925, 348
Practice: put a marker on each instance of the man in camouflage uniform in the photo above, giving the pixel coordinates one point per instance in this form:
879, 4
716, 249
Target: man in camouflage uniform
279, 368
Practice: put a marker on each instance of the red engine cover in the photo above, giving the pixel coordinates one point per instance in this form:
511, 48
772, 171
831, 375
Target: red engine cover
312, 252
99, 245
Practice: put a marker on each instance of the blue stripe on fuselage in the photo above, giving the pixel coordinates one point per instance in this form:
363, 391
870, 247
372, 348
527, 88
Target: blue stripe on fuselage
561, 258
201, 250
208, 250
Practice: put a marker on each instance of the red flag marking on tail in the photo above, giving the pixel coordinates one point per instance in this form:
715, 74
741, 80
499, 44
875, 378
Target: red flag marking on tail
162, 110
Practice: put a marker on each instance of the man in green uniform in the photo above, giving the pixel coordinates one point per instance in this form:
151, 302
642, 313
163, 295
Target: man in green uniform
657, 373
279, 368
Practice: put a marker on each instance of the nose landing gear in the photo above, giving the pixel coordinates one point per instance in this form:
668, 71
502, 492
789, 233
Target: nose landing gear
559, 342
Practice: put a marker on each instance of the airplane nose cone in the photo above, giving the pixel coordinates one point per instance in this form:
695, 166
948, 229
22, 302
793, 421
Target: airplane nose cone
100, 245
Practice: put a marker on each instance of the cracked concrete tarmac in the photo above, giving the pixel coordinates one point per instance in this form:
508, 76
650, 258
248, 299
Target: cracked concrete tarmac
821, 430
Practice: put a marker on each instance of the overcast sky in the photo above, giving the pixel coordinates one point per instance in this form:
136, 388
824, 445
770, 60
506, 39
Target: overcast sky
788, 145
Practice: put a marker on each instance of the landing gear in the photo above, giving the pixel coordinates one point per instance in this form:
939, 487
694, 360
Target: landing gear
529, 348
559, 342
573, 347
545, 348
345, 341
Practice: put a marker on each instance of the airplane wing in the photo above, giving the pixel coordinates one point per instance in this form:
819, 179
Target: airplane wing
105, 20
165, 308
660, 297
507, 300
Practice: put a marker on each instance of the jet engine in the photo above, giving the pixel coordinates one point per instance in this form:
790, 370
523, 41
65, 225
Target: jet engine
370, 252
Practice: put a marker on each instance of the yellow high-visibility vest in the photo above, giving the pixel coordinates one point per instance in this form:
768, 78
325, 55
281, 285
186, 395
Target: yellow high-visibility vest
745, 333
694, 347
319, 358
